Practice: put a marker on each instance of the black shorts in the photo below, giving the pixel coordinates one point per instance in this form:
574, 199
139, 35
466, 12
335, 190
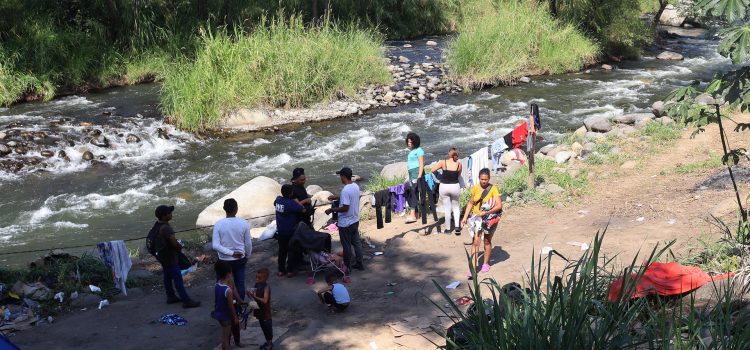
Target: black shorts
330, 300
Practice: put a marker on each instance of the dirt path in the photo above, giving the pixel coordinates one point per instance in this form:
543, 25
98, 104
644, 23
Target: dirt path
644, 205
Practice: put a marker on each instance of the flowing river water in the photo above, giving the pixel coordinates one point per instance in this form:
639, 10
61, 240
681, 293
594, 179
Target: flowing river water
78, 203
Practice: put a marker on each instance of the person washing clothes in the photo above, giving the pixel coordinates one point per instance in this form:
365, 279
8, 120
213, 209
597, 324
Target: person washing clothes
486, 205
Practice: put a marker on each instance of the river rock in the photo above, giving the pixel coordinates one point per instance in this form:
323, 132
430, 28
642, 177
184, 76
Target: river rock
321, 197
86, 300
395, 171
34, 291
672, 16
627, 130
388, 97
63, 155
3, 135
657, 108
162, 133
563, 156
577, 148
47, 153
132, 139
615, 133
88, 155
546, 149
580, 132
100, 141
591, 135
552, 153
665, 120
403, 59
407, 46
632, 118
607, 67
641, 123
255, 199
313, 189
551, 188
669, 55
400, 94
418, 73
12, 144
597, 124
431, 43
525, 80
21, 150
4, 149
629, 164
705, 99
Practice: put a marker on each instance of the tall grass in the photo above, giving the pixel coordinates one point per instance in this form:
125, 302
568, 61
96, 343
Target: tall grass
508, 39
281, 64
571, 310
546, 172
377, 183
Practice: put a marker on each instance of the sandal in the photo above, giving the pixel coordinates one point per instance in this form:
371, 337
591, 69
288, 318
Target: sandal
485, 268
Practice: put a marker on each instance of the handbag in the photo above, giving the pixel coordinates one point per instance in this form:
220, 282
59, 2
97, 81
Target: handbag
183, 261
489, 221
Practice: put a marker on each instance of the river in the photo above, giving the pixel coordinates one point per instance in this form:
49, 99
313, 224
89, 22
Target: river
77, 203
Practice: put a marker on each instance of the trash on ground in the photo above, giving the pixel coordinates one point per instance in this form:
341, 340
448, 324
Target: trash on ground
103, 303
464, 300
377, 253
453, 285
173, 320
94, 289
60, 296
192, 268
640, 219
546, 250
374, 346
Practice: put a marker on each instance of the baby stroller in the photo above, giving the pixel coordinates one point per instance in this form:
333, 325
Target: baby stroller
317, 245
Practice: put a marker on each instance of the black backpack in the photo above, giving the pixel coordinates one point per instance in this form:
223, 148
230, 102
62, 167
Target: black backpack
154, 241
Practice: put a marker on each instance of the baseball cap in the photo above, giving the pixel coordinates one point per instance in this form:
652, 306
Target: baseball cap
163, 210
345, 172
297, 172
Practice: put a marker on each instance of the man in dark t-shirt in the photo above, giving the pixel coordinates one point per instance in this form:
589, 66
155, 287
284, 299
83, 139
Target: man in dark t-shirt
287, 212
299, 193
168, 258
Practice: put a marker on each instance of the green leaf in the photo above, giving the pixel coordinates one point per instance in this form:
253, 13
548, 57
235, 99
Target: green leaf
731, 10
735, 43
735, 88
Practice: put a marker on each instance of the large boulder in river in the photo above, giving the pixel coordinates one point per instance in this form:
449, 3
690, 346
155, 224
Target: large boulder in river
255, 199
395, 171
597, 124
669, 55
672, 16
632, 118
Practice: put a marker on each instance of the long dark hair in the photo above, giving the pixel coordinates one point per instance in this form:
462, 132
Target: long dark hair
414, 139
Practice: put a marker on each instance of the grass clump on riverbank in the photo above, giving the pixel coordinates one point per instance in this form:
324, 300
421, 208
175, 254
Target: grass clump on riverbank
512, 39
281, 64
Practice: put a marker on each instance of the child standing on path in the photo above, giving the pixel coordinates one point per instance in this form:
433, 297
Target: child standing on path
336, 294
224, 303
262, 294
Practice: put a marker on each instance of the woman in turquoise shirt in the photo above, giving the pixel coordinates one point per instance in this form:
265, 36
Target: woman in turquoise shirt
415, 166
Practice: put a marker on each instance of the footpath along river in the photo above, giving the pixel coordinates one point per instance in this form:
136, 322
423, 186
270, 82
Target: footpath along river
75, 202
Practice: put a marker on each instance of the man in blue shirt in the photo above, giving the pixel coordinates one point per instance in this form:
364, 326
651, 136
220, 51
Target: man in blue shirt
287, 211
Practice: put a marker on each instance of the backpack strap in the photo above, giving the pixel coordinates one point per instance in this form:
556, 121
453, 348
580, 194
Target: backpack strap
485, 193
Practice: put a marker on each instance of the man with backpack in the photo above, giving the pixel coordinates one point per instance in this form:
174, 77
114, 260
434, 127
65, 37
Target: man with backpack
163, 245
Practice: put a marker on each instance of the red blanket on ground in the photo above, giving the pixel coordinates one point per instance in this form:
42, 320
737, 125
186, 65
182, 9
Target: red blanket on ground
666, 279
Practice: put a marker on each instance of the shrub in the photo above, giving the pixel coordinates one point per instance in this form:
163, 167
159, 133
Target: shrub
377, 183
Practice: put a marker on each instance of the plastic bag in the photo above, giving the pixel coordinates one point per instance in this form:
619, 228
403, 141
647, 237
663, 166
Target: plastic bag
269, 232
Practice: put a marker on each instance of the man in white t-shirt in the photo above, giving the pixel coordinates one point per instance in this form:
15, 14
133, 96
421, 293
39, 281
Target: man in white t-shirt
232, 241
348, 223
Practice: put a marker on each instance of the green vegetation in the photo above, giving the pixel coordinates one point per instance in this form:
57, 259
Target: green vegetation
571, 310
661, 134
279, 64
377, 183
546, 171
504, 40
713, 162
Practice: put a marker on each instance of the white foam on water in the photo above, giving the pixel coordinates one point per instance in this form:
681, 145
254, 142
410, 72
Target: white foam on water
261, 141
74, 100
270, 163
68, 224
537, 100
342, 144
486, 96
518, 105
19, 117
8, 232
210, 192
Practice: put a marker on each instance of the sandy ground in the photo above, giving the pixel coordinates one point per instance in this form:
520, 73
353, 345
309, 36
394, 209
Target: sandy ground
642, 206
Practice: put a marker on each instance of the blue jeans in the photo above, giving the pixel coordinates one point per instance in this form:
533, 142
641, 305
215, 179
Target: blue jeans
172, 275
238, 271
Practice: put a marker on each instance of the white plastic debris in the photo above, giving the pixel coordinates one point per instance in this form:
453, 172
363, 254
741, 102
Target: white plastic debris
374, 346
50, 319
453, 285
640, 219
103, 303
59, 296
377, 253
672, 221
94, 289
546, 250
584, 247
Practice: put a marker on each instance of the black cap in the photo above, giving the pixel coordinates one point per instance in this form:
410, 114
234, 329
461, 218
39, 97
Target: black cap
163, 210
297, 172
345, 172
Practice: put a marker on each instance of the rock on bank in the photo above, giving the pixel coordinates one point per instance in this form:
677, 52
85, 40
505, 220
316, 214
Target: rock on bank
254, 198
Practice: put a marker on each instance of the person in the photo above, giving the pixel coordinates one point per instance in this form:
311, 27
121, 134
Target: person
168, 258
224, 310
450, 190
299, 194
287, 210
261, 292
485, 203
233, 244
415, 168
335, 295
348, 222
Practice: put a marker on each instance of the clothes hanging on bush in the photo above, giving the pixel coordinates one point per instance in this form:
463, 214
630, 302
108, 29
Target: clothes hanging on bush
664, 279
398, 198
383, 200
115, 256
